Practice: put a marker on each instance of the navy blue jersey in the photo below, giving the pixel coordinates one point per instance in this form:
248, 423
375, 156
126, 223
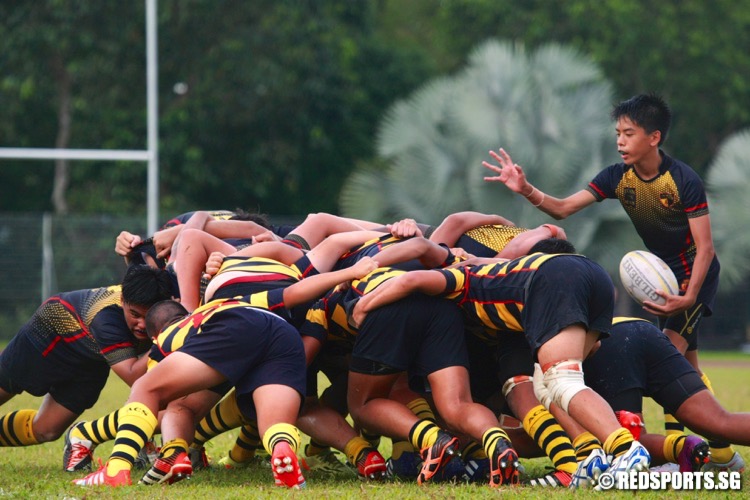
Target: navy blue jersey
88, 323
660, 209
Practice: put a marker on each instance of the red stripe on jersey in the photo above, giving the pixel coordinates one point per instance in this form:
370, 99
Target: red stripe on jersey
595, 188
700, 206
117, 346
72, 310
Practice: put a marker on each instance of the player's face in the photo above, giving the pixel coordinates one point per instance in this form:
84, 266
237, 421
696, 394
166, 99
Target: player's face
633, 143
135, 317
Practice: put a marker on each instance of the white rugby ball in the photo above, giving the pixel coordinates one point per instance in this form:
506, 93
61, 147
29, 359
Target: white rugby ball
642, 273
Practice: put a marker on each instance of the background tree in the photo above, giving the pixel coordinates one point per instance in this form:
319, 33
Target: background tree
548, 107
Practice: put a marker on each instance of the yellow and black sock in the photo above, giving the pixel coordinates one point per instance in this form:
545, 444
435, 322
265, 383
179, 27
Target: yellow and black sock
584, 444
173, 447
491, 438
355, 447
315, 448
473, 450
137, 425
247, 443
721, 451
16, 428
223, 417
618, 442
423, 434
371, 437
97, 431
672, 425
673, 446
421, 408
550, 436
281, 432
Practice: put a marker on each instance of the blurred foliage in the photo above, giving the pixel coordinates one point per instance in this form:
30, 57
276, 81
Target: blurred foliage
269, 105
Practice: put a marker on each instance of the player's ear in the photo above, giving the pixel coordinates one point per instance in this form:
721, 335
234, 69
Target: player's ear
655, 137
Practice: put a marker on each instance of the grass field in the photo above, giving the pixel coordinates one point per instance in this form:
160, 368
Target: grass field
36, 472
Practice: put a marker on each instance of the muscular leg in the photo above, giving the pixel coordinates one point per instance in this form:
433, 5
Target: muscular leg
452, 397
586, 407
29, 427
371, 408
703, 414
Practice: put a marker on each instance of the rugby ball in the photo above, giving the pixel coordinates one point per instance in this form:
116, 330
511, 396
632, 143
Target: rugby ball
642, 273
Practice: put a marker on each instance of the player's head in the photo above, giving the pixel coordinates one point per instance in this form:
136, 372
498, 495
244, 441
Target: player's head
260, 219
145, 286
142, 287
648, 111
553, 245
163, 314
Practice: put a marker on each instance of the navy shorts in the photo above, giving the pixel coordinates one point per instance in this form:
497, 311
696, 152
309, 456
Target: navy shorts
564, 292
638, 360
75, 385
420, 334
251, 348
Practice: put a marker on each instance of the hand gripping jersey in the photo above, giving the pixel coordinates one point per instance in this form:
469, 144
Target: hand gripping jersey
327, 320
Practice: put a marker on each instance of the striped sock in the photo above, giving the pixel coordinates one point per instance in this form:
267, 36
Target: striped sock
246, 444
223, 417
137, 425
550, 436
97, 431
721, 451
584, 444
618, 442
16, 428
281, 432
423, 434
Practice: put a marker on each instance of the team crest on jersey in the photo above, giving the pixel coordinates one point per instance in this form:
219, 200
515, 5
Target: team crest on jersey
628, 197
666, 199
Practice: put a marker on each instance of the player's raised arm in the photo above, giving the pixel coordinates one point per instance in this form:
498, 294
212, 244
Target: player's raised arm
512, 175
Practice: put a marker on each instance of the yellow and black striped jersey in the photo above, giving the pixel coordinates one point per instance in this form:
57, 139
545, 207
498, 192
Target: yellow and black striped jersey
174, 336
493, 295
260, 268
327, 320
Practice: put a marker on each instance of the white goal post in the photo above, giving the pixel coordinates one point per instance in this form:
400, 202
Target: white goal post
150, 155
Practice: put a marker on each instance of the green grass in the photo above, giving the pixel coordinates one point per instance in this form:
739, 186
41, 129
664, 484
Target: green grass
36, 471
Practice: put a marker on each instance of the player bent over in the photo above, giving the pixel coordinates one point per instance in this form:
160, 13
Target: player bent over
639, 360
256, 351
423, 336
563, 304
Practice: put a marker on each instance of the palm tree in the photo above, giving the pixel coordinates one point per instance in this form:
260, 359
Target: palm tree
729, 180
548, 108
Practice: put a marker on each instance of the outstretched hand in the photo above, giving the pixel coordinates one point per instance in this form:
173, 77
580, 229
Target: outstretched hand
509, 173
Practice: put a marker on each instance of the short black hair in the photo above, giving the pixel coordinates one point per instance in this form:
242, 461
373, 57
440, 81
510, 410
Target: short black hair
145, 286
553, 245
260, 219
649, 111
162, 314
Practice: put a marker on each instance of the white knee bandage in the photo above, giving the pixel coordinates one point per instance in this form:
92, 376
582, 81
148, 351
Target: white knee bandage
512, 382
540, 390
564, 380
